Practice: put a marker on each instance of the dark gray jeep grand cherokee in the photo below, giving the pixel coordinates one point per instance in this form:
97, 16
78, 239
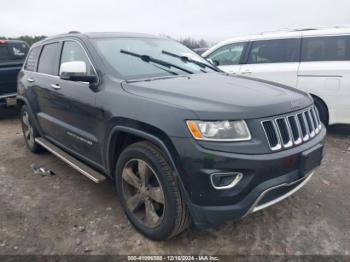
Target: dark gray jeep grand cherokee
183, 141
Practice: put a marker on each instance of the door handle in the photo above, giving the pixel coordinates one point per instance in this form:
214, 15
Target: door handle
30, 80
55, 86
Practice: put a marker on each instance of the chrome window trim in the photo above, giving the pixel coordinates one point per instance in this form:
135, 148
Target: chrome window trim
62, 40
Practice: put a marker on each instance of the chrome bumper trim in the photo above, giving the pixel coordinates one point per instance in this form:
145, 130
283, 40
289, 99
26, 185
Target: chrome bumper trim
8, 95
256, 207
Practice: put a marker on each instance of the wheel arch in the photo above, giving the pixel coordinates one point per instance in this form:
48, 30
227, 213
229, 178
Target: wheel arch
21, 101
316, 97
136, 131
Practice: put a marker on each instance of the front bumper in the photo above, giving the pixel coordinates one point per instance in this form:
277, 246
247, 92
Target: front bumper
8, 100
268, 179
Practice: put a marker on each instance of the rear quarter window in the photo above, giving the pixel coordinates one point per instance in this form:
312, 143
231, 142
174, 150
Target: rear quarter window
326, 48
31, 63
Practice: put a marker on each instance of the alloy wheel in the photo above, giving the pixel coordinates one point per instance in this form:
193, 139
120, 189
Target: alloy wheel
27, 129
143, 193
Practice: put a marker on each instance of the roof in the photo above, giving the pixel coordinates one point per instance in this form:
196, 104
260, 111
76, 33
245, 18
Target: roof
97, 35
284, 33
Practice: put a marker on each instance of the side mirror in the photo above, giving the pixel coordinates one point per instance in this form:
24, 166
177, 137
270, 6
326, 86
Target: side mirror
76, 71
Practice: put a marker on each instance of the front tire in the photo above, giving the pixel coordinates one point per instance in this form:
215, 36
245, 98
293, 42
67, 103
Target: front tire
29, 131
149, 193
322, 111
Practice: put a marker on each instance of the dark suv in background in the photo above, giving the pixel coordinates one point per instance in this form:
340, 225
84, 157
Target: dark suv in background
183, 141
12, 55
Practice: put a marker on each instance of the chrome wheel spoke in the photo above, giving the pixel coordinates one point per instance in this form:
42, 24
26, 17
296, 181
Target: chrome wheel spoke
143, 193
156, 194
26, 120
27, 133
134, 202
144, 172
130, 177
151, 217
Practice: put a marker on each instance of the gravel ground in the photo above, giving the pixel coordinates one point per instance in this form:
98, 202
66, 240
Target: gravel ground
68, 214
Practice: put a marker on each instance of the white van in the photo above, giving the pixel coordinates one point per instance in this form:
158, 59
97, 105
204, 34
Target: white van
316, 61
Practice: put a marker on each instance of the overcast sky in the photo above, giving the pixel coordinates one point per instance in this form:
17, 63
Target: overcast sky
212, 20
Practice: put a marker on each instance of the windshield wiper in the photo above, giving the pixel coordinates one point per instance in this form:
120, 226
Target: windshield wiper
186, 59
148, 59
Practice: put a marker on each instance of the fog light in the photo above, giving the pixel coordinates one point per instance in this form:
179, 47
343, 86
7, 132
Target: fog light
225, 180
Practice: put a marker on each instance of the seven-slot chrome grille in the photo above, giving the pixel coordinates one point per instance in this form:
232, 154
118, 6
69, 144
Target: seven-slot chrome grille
292, 129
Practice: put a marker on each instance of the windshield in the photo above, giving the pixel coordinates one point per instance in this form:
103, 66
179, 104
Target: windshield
139, 58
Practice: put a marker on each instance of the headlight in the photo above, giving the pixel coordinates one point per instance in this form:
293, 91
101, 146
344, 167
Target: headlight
219, 130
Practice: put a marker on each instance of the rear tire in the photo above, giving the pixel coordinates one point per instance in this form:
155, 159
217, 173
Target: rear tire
322, 110
142, 173
29, 131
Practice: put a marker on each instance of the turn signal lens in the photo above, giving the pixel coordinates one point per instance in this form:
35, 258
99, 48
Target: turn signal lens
194, 130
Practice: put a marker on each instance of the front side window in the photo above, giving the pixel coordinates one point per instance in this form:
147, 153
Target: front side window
228, 55
138, 58
274, 51
73, 52
48, 62
328, 48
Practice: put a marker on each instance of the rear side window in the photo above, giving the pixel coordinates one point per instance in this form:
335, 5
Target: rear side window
274, 51
4, 53
32, 59
48, 62
228, 54
328, 48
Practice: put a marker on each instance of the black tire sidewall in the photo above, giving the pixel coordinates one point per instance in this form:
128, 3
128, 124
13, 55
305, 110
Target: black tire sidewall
166, 227
322, 110
35, 148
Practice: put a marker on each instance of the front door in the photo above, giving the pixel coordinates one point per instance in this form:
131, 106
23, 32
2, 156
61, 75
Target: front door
68, 115
273, 60
228, 57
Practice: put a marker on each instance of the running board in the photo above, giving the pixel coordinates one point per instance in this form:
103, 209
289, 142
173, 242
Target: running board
73, 162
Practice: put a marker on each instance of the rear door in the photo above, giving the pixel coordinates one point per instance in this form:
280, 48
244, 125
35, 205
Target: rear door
45, 97
275, 60
325, 72
228, 57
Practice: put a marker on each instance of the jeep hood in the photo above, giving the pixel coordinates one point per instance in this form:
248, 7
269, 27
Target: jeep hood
220, 96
